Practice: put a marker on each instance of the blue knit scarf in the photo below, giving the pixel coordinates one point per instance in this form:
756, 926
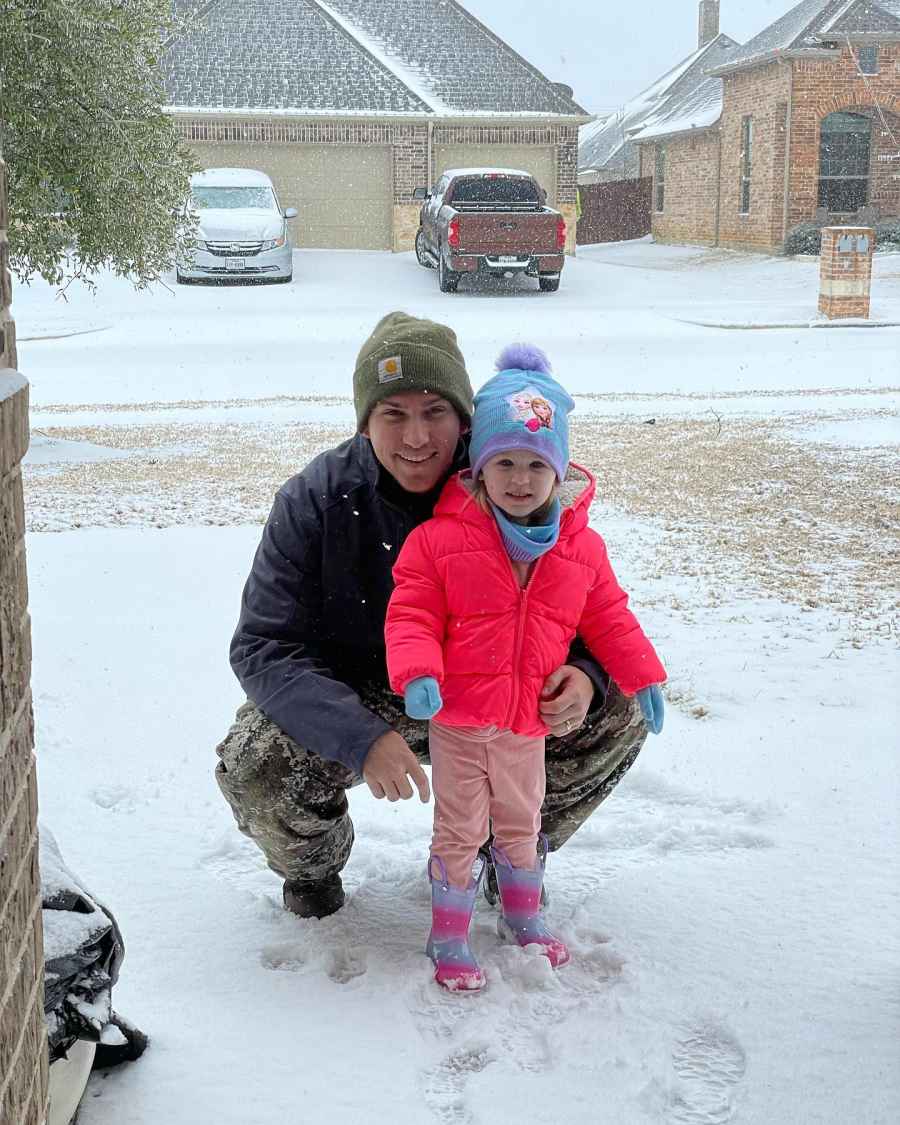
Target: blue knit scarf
524, 543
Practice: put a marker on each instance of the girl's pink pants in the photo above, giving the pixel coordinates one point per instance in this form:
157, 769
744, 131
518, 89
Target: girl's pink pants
482, 775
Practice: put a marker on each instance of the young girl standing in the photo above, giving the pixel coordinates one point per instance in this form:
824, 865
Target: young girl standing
488, 597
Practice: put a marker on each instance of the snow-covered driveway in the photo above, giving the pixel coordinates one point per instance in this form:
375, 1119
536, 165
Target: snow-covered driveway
732, 908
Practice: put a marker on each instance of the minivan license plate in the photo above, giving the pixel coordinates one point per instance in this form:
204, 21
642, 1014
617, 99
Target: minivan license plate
508, 258
234, 263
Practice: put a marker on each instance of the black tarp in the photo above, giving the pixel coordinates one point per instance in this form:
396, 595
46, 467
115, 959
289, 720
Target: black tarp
83, 953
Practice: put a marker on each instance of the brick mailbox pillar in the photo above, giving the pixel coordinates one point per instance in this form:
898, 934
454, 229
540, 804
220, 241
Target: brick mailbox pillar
23, 1038
845, 271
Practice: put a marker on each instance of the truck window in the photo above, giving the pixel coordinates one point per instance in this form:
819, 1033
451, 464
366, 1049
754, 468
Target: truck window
495, 189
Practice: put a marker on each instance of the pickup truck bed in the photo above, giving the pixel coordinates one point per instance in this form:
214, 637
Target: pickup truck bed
490, 221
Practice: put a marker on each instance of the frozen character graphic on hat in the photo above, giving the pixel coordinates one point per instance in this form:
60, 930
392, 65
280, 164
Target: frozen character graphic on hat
530, 408
543, 414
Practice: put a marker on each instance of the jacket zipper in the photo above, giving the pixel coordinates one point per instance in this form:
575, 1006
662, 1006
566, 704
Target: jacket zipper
520, 624
520, 630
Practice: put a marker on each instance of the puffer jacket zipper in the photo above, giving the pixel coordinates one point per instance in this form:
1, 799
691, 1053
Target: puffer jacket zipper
522, 592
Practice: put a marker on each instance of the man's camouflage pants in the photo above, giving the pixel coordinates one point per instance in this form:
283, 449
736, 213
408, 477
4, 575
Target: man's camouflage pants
293, 804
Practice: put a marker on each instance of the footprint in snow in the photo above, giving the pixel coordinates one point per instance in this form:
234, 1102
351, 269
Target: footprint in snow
114, 797
709, 1063
284, 956
445, 1084
346, 964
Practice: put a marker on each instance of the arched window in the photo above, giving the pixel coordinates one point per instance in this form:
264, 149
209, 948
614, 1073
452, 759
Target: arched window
844, 156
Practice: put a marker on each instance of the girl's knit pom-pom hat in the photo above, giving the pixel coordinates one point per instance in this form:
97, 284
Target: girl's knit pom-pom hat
522, 407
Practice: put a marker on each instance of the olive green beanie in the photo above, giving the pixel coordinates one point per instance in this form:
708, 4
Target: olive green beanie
405, 353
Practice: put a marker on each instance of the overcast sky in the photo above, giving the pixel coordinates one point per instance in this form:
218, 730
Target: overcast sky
608, 51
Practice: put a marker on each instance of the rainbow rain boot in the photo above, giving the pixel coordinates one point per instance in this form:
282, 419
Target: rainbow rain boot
521, 920
455, 967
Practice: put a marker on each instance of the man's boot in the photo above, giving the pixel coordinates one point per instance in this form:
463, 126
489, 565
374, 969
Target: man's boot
455, 967
521, 920
314, 900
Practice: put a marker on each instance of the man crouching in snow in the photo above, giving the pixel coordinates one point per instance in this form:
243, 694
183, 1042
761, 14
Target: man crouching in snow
309, 646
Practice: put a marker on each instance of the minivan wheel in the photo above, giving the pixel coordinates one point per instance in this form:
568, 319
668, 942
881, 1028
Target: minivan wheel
548, 284
421, 257
447, 279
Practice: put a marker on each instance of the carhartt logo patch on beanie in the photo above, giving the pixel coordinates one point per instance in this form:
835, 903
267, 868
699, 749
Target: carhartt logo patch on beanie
406, 353
523, 407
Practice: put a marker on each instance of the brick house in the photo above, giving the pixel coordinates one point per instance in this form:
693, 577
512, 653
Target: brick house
801, 123
350, 105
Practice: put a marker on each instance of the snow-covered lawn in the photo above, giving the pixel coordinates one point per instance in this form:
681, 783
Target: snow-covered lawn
732, 908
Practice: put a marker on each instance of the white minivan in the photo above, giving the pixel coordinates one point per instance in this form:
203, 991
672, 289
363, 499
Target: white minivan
242, 231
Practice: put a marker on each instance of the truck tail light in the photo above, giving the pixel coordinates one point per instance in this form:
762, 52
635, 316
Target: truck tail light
560, 233
453, 233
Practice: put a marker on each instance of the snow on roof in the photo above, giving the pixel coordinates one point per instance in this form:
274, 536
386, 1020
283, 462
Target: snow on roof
459, 61
700, 109
352, 57
864, 17
618, 119
224, 177
784, 33
829, 23
810, 24
805, 26
410, 78
602, 141
877, 14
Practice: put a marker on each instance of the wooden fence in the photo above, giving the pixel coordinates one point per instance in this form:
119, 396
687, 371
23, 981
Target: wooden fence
615, 211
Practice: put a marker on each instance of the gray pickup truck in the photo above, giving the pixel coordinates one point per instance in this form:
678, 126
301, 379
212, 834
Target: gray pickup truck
493, 221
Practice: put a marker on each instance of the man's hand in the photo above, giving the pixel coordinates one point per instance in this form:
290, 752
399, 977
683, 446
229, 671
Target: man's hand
388, 767
565, 699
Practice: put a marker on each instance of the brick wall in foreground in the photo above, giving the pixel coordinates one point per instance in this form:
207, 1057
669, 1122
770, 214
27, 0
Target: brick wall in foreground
23, 1041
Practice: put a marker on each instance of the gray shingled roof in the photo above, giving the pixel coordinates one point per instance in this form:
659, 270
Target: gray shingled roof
810, 25
607, 144
866, 18
382, 57
697, 109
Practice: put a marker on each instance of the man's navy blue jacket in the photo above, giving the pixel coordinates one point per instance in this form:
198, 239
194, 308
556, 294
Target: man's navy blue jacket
312, 613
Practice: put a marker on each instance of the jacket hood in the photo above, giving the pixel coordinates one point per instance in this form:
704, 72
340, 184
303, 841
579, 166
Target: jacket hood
576, 494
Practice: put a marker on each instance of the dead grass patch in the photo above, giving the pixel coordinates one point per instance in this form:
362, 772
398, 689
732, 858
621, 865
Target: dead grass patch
741, 501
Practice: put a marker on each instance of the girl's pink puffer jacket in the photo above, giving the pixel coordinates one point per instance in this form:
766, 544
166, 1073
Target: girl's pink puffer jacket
457, 613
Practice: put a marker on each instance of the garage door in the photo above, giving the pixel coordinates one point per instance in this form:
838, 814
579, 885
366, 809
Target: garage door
540, 162
343, 192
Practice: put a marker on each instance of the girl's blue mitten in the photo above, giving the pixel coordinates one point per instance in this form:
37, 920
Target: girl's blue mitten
422, 698
651, 703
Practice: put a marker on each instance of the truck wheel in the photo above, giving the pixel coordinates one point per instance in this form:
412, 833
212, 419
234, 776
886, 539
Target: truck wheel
548, 284
447, 279
421, 257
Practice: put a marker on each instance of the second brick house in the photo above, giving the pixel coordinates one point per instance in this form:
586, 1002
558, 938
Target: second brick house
801, 123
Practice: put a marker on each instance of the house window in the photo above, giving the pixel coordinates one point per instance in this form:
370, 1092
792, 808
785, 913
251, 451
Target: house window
844, 157
867, 58
746, 162
659, 178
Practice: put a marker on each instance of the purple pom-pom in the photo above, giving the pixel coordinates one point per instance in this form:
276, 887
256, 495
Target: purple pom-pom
523, 357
